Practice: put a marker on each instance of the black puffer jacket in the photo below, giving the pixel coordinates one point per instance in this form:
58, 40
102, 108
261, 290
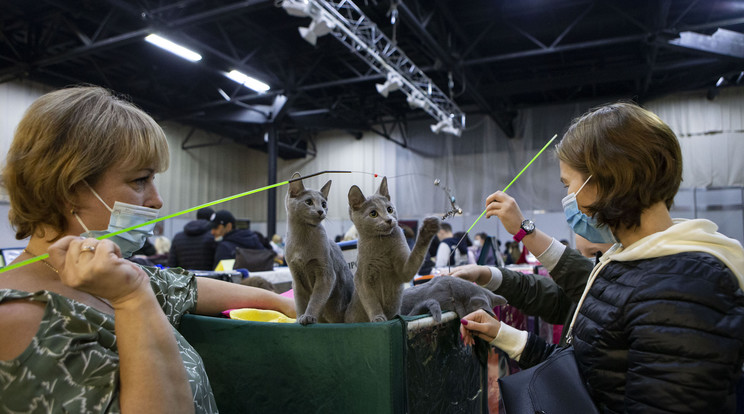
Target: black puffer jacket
193, 248
659, 335
236, 238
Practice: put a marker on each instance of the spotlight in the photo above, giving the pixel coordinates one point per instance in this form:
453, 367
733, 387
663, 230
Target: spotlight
445, 125
297, 8
320, 26
393, 83
416, 100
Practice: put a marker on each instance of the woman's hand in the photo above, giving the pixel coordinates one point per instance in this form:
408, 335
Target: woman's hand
473, 273
480, 324
96, 267
506, 209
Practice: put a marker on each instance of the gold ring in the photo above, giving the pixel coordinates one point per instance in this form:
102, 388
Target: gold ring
88, 249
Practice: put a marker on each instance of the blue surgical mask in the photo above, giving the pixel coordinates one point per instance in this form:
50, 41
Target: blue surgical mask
123, 216
584, 225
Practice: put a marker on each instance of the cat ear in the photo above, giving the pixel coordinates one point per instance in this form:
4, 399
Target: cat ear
326, 189
356, 197
383, 191
296, 187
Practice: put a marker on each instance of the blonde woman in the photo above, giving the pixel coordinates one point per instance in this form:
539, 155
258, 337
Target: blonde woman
92, 331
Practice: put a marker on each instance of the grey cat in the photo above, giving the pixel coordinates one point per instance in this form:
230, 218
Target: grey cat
384, 261
322, 281
447, 293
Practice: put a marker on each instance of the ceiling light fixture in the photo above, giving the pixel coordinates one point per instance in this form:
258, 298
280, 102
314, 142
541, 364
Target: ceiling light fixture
297, 8
393, 83
172, 47
320, 26
445, 125
416, 100
248, 81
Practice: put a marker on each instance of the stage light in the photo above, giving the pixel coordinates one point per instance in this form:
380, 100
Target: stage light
172, 47
248, 81
297, 8
319, 27
393, 83
416, 100
445, 125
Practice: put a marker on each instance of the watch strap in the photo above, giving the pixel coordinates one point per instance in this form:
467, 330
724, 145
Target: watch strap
520, 235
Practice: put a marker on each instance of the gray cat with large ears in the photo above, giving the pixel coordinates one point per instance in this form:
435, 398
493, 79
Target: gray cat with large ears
321, 279
384, 262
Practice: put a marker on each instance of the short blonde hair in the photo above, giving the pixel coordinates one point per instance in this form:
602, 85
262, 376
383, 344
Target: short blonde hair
634, 159
68, 136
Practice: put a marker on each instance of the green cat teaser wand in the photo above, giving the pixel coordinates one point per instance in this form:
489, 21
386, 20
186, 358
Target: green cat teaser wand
504, 190
222, 200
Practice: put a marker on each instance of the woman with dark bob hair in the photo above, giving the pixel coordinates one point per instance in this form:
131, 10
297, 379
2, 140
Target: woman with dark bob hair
660, 326
86, 330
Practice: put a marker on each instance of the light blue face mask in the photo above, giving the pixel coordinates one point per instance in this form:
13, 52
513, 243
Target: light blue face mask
123, 216
584, 225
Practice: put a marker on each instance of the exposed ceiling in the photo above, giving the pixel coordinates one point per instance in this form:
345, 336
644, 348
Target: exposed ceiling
492, 57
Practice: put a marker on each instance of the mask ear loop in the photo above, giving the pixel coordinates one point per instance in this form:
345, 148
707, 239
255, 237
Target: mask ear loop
99, 198
111, 210
576, 193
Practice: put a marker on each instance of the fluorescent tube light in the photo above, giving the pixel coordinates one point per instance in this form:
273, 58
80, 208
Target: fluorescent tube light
248, 81
174, 48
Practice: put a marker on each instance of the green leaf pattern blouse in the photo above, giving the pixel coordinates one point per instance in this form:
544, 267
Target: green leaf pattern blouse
72, 364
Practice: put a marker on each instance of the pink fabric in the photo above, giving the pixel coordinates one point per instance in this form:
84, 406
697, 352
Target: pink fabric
288, 294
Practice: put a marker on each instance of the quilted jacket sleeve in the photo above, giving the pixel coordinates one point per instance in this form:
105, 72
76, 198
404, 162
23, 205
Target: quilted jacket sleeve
545, 297
534, 295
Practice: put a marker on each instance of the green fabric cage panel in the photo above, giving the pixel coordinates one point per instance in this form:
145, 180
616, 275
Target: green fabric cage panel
406, 365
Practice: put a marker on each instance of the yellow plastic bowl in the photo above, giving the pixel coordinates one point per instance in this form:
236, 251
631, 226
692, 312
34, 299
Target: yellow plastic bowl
260, 315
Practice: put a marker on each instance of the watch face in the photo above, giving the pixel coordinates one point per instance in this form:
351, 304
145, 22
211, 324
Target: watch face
528, 226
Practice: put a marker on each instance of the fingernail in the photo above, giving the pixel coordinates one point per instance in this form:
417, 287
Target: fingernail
464, 322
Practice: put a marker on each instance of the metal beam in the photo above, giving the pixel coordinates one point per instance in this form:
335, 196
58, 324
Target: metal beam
125, 38
446, 58
273, 151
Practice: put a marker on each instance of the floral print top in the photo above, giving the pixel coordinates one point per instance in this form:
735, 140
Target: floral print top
72, 363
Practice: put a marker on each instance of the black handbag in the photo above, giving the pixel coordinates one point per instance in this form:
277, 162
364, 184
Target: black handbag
255, 260
554, 386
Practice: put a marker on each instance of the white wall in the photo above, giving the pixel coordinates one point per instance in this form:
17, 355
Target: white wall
473, 166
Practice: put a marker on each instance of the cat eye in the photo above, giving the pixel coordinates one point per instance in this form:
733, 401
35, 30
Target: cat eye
309, 202
390, 210
323, 204
373, 213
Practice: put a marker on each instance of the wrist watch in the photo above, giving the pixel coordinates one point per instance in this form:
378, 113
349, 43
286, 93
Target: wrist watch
527, 227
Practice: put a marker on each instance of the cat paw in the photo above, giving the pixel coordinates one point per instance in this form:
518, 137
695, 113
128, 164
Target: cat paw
379, 318
307, 319
430, 227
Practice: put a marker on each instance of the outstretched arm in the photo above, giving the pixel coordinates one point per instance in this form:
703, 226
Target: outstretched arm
215, 296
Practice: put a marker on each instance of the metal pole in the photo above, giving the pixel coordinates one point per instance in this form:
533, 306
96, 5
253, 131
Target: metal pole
272, 150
